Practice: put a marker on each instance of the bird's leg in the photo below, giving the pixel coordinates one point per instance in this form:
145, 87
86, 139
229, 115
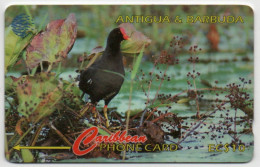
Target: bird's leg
96, 115
105, 114
94, 111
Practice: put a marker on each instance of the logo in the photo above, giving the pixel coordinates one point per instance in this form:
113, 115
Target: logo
22, 25
91, 139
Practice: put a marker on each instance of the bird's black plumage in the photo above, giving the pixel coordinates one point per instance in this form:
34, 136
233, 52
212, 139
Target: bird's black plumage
104, 78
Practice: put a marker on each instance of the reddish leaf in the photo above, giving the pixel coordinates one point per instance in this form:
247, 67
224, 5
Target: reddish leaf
54, 43
213, 37
18, 126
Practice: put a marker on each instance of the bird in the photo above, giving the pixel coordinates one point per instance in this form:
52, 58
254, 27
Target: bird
104, 78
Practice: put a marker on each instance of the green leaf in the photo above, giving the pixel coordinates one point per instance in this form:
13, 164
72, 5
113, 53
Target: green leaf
136, 41
27, 156
158, 104
14, 45
134, 45
137, 64
183, 100
8, 83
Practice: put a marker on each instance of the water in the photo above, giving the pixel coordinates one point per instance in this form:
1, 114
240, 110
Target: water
195, 147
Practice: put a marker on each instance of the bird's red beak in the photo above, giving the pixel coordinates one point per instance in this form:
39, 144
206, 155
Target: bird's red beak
125, 36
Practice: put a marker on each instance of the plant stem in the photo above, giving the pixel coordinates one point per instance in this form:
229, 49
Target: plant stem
128, 112
82, 63
235, 125
50, 67
12, 138
21, 138
197, 125
36, 135
162, 79
195, 89
28, 71
34, 71
41, 66
150, 83
60, 134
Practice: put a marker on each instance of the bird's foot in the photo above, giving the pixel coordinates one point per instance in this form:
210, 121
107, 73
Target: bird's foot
96, 115
114, 128
107, 124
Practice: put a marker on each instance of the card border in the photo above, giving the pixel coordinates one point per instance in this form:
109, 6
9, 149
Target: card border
255, 5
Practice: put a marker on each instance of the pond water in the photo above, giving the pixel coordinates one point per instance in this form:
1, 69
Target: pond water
195, 147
